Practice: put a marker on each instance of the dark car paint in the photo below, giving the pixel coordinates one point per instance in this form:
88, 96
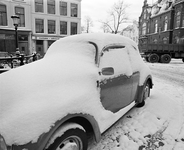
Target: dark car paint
44, 138
115, 93
135, 85
141, 88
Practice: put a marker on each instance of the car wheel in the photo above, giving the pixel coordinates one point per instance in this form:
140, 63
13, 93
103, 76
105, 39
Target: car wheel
145, 95
153, 58
166, 58
72, 139
183, 59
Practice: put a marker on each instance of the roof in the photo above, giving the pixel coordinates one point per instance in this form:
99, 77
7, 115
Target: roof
100, 39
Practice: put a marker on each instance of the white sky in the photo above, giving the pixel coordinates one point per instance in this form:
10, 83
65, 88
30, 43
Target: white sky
97, 10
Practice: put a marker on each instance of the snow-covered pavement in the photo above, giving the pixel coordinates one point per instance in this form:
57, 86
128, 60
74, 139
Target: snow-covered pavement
160, 123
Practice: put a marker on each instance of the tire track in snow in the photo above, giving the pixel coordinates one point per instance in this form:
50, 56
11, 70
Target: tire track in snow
172, 77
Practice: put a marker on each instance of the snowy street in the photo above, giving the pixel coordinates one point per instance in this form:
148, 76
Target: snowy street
160, 123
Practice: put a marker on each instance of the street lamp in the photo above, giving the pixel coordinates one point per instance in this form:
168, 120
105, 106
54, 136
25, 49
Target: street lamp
15, 23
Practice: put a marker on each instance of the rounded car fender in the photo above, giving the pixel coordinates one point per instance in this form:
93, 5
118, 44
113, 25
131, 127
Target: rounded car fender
141, 87
44, 138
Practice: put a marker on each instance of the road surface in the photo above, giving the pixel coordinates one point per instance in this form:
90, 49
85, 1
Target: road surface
160, 123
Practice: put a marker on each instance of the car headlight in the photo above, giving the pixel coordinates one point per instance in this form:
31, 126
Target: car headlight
2, 144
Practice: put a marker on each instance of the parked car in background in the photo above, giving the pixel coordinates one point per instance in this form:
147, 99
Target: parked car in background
81, 87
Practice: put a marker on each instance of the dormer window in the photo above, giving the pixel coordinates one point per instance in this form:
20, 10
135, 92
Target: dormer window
165, 23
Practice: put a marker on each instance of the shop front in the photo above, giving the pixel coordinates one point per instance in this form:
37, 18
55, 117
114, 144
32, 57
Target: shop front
7, 41
42, 43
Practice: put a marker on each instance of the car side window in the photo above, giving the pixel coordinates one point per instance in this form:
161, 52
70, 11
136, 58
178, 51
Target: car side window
116, 58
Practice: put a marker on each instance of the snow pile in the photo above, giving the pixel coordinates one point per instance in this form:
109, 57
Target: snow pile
161, 7
35, 96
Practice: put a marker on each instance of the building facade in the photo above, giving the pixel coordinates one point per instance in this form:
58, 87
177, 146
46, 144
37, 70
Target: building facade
131, 31
41, 23
162, 22
161, 31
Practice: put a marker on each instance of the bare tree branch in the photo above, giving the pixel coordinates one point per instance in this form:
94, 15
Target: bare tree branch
106, 25
88, 23
117, 16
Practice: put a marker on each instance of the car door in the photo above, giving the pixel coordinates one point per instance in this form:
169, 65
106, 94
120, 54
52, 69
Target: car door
133, 56
115, 78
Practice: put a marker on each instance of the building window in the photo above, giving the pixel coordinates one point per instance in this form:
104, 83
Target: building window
63, 8
176, 40
164, 40
182, 40
50, 43
183, 21
38, 5
144, 29
155, 41
156, 26
178, 16
73, 28
51, 6
51, 27
39, 48
39, 23
145, 14
74, 10
19, 11
165, 23
3, 15
63, 27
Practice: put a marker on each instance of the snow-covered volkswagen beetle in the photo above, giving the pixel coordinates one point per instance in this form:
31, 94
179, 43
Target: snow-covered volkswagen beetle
83, 85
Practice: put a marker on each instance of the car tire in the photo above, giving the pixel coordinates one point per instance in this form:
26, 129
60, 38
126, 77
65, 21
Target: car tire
183, 59
145, 94
76, 138
153, 58
166, 58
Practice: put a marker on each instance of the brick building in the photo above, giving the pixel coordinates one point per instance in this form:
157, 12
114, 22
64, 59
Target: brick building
161, 30
162, 22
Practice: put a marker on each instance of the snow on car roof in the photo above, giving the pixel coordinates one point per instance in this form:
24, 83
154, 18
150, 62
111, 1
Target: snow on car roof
101, 39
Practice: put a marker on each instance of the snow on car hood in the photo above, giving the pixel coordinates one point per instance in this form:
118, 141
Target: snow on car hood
34, 96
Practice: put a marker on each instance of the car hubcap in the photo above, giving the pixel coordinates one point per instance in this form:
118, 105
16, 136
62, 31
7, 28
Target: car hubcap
71, 143
146, 92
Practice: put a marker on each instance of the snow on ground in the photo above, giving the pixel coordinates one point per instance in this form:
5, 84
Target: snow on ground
157, 125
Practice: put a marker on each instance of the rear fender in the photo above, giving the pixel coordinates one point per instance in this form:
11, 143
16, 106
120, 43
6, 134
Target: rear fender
141, 88
44, 138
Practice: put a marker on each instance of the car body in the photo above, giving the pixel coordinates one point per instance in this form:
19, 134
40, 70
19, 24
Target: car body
84, 84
